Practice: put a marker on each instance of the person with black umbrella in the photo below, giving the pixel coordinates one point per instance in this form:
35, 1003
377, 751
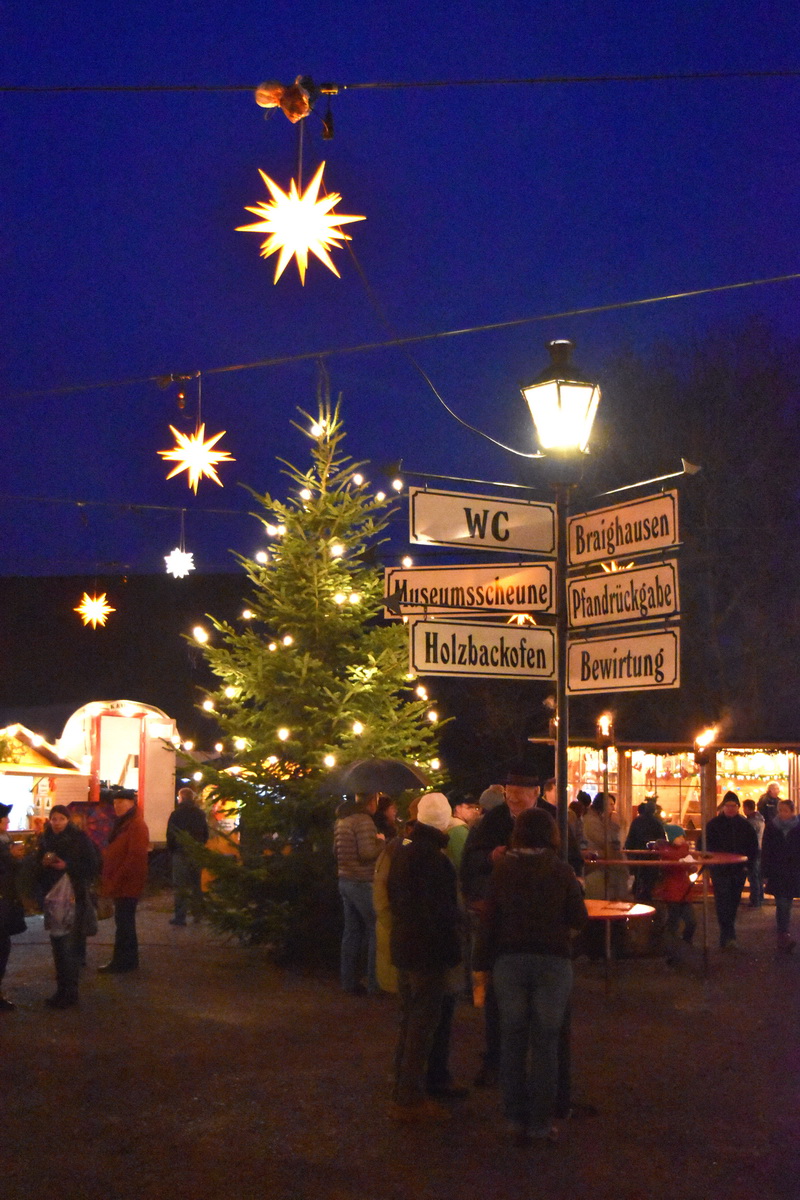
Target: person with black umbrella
357, 844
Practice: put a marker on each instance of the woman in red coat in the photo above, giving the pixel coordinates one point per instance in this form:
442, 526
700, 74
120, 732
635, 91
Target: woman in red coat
123, 879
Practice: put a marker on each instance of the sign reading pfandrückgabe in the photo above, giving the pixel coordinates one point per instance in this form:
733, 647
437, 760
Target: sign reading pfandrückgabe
482, 651
632, 662
639, 594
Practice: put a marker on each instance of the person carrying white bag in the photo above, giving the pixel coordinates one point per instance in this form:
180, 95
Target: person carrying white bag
66, 863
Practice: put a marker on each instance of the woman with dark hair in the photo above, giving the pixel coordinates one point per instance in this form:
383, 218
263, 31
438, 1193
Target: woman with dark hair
65, 850
385, 817
533, 901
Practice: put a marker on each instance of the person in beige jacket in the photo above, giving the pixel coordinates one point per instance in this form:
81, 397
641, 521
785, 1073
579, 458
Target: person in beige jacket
357, 844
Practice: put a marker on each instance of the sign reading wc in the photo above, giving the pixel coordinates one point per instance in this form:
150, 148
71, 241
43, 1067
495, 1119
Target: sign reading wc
499, 651
481, 522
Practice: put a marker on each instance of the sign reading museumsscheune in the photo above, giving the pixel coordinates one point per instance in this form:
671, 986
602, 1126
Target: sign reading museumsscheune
495, 587
483, 651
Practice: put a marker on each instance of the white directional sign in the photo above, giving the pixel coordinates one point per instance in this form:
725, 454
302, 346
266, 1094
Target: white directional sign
483, 651
496, 587
624, 596
632, 662
631, 528
481, 522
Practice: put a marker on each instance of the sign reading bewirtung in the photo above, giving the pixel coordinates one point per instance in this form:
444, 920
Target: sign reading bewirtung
484, 651
482, 522
495, 587
631, 528
632, 662
640, 594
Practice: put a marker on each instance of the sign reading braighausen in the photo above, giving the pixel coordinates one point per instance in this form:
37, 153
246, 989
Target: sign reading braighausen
632, 662
481, 522
631, 528
496, 587
499, 651
624, 596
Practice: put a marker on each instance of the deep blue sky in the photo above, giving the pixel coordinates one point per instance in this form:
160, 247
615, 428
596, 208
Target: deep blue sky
119, 257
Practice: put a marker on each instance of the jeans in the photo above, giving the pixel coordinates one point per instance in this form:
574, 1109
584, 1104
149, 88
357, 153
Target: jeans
422, 994
359, 930
756, 883
783, 911
126, 944
438, 1072
728, 887
65, 959
188, 892
5, 950
533, 992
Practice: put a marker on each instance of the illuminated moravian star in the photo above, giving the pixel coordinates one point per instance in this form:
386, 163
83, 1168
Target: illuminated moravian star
196, 456
94, 610
179, 563
298, 223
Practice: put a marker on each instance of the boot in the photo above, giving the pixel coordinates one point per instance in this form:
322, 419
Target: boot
786, 943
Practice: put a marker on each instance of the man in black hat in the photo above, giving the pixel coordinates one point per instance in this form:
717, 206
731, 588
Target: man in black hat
486, 843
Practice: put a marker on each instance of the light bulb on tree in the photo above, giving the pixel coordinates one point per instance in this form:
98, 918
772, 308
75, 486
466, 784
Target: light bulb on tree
200, 634
283, 734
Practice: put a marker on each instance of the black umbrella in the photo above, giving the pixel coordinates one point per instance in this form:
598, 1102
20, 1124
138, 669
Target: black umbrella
389, 775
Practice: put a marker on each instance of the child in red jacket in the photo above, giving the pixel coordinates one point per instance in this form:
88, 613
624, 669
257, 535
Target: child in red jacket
675, 888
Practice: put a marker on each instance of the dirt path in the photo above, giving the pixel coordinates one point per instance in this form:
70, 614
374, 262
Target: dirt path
210, 1073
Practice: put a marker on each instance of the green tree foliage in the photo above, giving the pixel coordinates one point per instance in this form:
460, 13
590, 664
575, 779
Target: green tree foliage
311, 677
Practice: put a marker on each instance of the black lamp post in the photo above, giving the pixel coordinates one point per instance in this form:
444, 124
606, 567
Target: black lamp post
562, 404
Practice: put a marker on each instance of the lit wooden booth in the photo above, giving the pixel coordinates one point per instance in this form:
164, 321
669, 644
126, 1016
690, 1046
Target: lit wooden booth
668, 773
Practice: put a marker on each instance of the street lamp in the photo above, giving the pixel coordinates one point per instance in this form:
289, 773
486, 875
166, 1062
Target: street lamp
563, 405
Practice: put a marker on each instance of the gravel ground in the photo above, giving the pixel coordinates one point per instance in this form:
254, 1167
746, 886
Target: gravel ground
211, 1073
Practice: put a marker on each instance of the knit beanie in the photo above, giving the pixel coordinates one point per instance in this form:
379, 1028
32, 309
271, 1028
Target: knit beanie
434, 809
493, 797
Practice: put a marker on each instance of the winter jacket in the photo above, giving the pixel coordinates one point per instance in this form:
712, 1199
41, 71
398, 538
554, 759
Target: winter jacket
8, 887
186, 818
357, 845
674, 885
72, 846
125, 858
644, 828
780, 860
533, 900
424, 904
732, 835
494, 829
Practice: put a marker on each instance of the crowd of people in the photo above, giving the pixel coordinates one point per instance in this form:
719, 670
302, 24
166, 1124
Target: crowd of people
72, 879
475, 896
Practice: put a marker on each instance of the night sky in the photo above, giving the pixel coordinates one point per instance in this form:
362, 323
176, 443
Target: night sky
119, 257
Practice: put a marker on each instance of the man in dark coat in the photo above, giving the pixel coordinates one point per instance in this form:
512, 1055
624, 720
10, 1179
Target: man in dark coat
780, 860
425, 946
644, 828
189, 819
486, 843
730, 833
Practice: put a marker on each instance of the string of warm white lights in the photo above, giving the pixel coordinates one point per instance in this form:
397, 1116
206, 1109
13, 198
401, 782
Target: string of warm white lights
413, 339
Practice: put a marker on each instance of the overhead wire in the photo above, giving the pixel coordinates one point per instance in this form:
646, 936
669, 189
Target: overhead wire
412, 339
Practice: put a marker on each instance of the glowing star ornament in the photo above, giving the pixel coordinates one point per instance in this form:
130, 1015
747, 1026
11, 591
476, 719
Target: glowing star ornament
196, 456
94, 610
179, 563
297, 223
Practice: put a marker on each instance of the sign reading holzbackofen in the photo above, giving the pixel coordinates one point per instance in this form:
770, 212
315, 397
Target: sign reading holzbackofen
498, 651
631, 528
481, 522
640, 594
632, 662
497, 587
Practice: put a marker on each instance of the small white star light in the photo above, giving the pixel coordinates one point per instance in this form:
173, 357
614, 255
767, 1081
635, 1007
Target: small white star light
297, 223
179, 563
196, 456
94, 610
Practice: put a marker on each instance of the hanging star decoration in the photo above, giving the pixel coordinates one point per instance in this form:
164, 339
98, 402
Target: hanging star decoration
196, 456
94, 610
179, 562
298, 223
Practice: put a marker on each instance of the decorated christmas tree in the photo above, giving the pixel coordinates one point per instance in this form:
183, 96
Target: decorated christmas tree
312, 679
